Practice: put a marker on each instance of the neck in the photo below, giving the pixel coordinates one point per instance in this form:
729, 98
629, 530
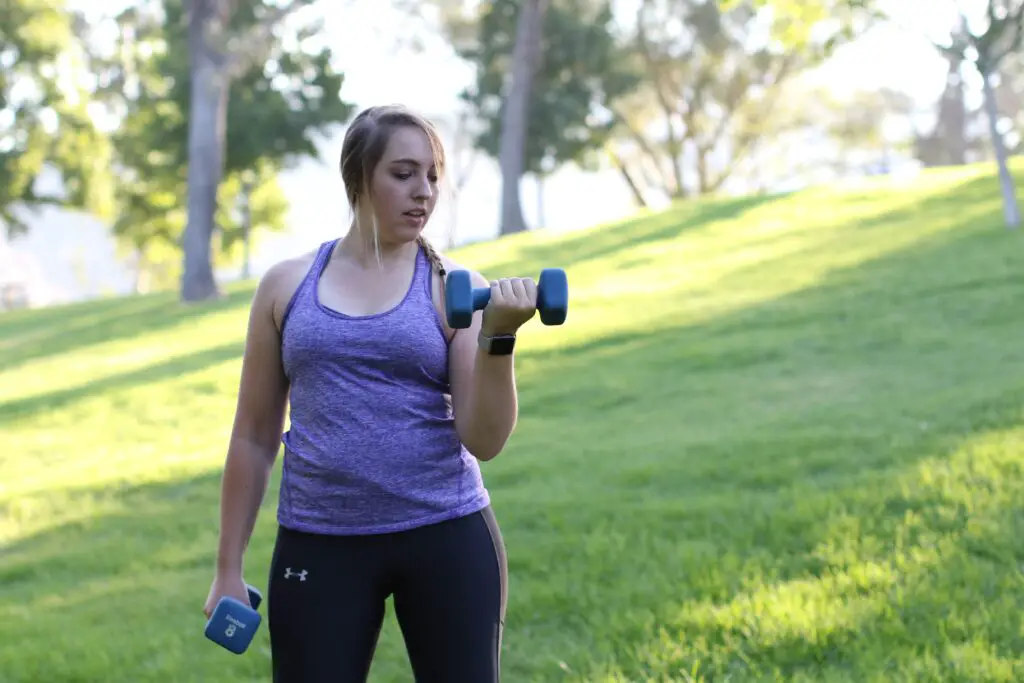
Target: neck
360, 249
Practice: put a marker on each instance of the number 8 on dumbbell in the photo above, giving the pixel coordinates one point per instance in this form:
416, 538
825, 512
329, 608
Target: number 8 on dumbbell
462, 299
229, 617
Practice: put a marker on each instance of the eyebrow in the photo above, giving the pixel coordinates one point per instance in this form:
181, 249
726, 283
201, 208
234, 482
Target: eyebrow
412, 162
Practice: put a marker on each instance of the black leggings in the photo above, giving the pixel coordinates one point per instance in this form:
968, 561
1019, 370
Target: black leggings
327, 594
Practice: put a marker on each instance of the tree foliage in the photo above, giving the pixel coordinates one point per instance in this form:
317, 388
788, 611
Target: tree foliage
583, 71
276, 108
44, 121
715, 77
1002, 35
820, 24
537, 116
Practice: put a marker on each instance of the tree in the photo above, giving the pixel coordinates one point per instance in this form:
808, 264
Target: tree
1003, 35
274, 108
859, 131
462, 128
1010, 102
582, 72
948, 142
799, 24
44, 122
227, 39
527, 53
960, 131
995, 42
715, 83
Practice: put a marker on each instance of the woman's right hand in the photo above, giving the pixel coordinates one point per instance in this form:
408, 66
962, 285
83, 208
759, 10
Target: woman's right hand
226, 584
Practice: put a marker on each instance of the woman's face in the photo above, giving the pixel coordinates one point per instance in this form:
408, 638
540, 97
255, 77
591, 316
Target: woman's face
404, 186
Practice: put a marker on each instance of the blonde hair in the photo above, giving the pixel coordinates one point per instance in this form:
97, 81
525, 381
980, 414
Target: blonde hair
365, 141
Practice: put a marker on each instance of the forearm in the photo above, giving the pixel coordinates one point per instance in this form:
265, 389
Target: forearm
245, 480
493, 408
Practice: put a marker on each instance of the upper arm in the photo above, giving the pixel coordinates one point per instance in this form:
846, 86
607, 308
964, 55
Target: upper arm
462, 346
263, 387
462, 357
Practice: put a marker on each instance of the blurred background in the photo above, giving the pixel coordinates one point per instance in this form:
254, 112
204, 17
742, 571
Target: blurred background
778, 439
633, 104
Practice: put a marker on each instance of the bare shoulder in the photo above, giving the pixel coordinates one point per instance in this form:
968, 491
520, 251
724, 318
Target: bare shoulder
279, 283
478, 279
437, 293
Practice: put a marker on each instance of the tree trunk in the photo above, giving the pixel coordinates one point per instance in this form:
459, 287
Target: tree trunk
627, 176
540, 202
526, 56
206, 140
140, 266
951, 125
247, 187
1010, 209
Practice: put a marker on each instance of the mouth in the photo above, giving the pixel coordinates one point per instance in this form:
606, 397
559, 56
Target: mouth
416, 213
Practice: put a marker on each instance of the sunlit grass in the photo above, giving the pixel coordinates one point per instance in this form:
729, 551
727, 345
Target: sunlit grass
778, 439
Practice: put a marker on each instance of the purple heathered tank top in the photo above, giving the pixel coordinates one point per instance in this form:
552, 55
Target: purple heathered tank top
372, 446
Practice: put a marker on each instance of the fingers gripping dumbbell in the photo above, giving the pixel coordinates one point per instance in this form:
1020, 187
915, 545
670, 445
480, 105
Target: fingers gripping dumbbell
233, 624
462, 299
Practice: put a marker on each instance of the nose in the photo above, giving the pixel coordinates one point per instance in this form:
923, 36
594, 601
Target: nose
423, 189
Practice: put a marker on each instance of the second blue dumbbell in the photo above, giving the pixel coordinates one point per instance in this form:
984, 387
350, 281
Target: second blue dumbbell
233, 624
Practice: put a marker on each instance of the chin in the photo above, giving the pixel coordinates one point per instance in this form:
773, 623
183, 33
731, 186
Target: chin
401, 236
406, 234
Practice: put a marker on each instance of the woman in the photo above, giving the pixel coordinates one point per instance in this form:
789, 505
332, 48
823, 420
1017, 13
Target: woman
391, 410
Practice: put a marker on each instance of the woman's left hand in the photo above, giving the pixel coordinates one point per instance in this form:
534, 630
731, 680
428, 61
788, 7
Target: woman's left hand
513, 302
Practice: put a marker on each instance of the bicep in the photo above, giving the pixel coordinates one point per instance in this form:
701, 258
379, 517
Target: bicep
263, 387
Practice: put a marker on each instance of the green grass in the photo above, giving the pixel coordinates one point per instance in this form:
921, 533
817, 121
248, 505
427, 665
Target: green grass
778, 439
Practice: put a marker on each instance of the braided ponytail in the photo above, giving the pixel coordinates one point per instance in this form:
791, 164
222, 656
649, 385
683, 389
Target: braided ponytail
435, 261
432, 256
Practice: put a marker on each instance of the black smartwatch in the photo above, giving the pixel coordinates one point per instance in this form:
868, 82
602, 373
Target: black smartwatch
498, 345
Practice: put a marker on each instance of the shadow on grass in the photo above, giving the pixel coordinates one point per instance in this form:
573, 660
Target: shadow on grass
898, 310
115, 592
175, 367
574, 250
136, 523
37, 334
940, 603
826, 400
810, 408
979, 192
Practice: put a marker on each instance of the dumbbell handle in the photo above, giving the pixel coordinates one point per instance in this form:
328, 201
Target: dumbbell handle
481, 297
255, 597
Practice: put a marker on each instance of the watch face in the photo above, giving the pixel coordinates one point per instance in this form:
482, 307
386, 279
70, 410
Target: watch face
501, 346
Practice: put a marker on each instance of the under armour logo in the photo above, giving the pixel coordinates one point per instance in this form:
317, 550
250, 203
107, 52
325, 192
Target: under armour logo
288, 573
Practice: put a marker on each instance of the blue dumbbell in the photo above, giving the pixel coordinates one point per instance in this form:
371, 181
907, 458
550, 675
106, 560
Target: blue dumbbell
233, 623
462, 299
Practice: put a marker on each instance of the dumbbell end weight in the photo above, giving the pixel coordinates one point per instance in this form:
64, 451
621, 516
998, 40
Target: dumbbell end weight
461, 299
553, 296
255, 597
233, 624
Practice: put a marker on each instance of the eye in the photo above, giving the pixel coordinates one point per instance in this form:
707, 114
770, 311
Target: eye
403, 175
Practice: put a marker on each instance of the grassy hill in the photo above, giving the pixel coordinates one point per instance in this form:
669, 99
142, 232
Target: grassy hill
778, 439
